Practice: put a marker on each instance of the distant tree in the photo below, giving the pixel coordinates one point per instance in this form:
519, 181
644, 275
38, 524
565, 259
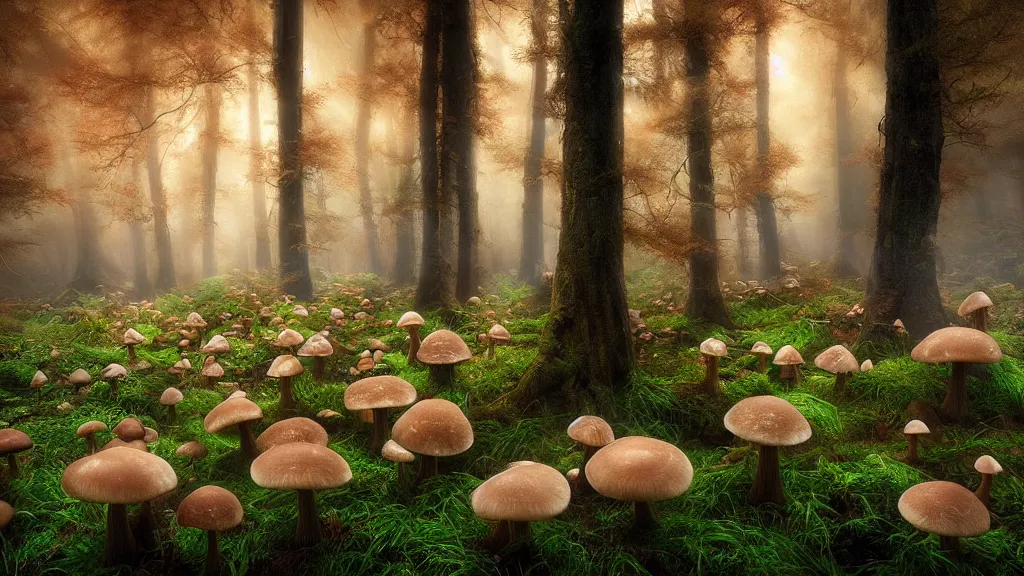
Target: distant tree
767, 229
364, 115
532, 256
257, 48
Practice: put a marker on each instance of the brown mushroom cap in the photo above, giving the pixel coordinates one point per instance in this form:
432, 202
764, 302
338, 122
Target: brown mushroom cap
867, 365
956, 344
410, 319
12, 441
194, 320
296, 429
6, 514
79, 377
139, 444
317, 345
210, 508
327, 413
434, 427
230, 413
285, 365
714, 347
119, 476
378, 344
288, 338
640, 469
591, 431
761, 348
768, 421
192, 449
171, 396
443, 347
526, 493
300, 466
976, 301
788, 356
393, 452
151, 436
499, 335
837, 360
113, 371
987, 465
129, 429
944, 508
211, 368
379, 392
38, 379
90, 427
132, 336
217, 345
916, 427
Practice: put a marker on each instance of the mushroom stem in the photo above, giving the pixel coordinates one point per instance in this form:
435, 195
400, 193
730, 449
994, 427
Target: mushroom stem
380, 430
985, 490
308, 530
131, 354
840, 386
644, 519
172, 414
12, 465
710, 384
212, 554
428, 468
211, 382
912, 449
119, 545
90, 445
145, 525
518, 531
248, 440
768, 479
443, 374
762, 364
951, 546
979, 319
414, 343
287, 400
582, 484
114, 386
954, 407
490, 347
500, 537
318, 367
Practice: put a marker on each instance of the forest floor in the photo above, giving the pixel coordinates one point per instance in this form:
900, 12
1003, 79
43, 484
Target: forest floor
842, 486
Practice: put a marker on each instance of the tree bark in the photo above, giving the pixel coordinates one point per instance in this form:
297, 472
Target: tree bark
165, 257
405, 222
850, 208
363, 117
902, 282
143, 287
743, 263
767, 228
434, 289
531, 259
88, 262
259, 193
292, 216
211, 134
705, 299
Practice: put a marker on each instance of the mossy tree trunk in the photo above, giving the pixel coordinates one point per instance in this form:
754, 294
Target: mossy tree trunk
767, 227
261, 228
532, 256
902, 282
364, 115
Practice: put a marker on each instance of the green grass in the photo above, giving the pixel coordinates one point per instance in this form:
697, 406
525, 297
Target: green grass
842, 485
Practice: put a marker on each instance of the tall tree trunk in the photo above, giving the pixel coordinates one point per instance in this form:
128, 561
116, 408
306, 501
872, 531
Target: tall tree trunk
162, 231
585, 349
88, 261
705, 299
211, 136
143, 287
902, 283
743, 263
259, 193
288, 77
434, 288
458, 113
531, 260
767, 227
850, 206
405, 221
363, 118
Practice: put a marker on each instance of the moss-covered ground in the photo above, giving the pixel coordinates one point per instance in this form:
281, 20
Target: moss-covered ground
842, 486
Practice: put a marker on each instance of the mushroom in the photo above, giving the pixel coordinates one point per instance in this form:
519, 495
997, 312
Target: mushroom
79, 379
240, 412
412, 321
6, 514
132, 339
113, 373
867, 365
788, 359
88, 431
296, 429
118, 477
988, 467
284, 368
912, 430
38, 379
170, 398
217, 345
960, 347
712, 349
593, 433
327, 413
441, 350
497, 335
195, 322
337, 314
139, 444
129, 429
839, 361
528, 492
379, 394
212, 370
289, 339
393, 452
433, 428
11, 443
213, 509
300, 311
640, 470
191, 449
762, 351
946, 509
302, 467
151, 436
319, 348
768, 422
976, 308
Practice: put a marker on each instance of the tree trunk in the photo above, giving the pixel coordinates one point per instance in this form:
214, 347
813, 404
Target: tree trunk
743, 264
292, 219
705, 298
143, 287
165, 257
531, 259
902, 282
767, 228
211, 135
88, 261
585, 349
363, 118
851, 208
405, 221
458, 114
434, 289
259, 194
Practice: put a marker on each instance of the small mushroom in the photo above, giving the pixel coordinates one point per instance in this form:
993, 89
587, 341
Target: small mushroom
379, 394
976, 308
131, 339
170, 398
433, 428
13, 442
441, 350
79, 379
912, 430
867, 365
712, 349
6, 514
289, 338
113, 373
296, 429
593, 433
88, 431
988, 467
497, 336
318, 348
411, 321
788, 359
284, 368
213, 509
960, 347
218, 345
946, 509
393, 452
129, 429
839, 361
762, 351
212, 371
527, 492
240, 412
